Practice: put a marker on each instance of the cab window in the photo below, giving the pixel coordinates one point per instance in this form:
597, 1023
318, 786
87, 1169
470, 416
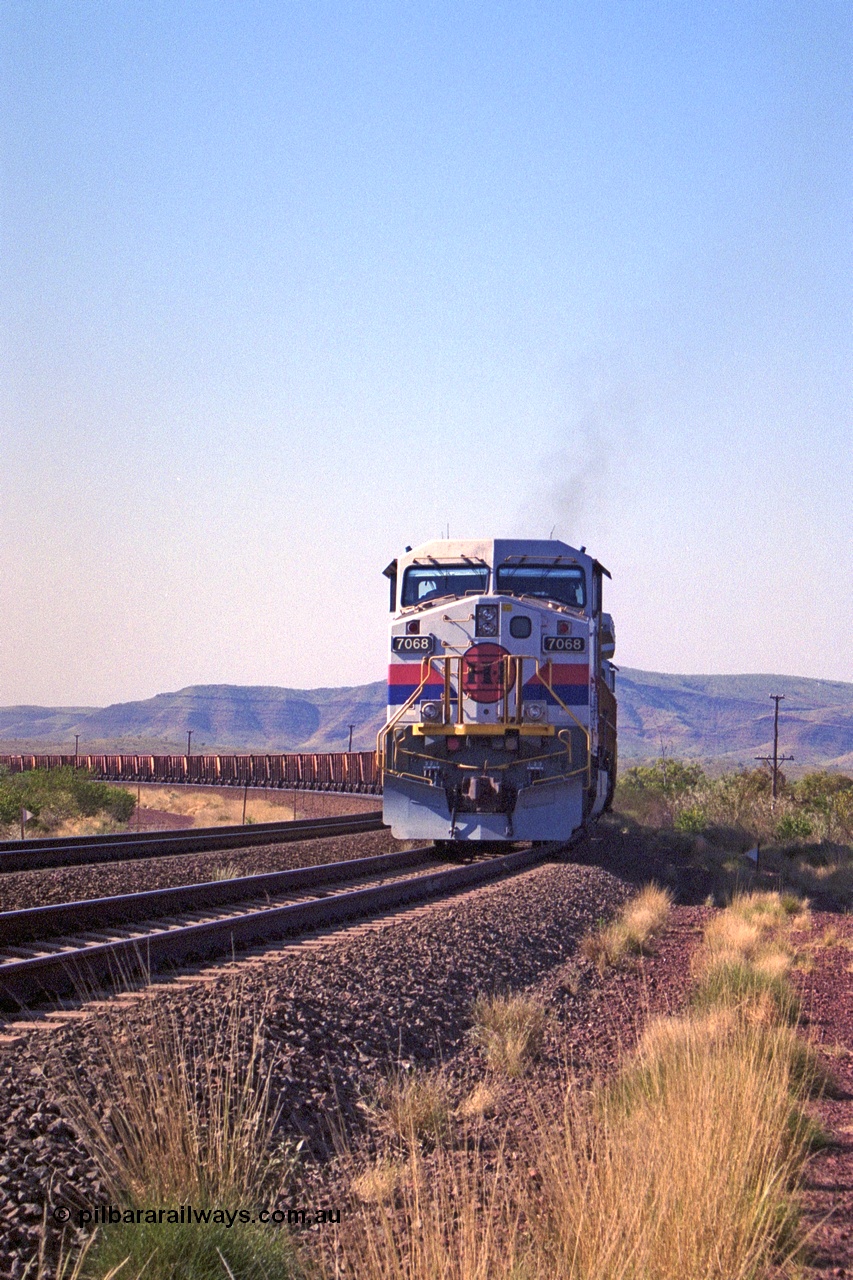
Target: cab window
431, 582
565, 584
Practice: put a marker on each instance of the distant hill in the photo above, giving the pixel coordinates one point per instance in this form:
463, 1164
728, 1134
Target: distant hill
222, 717
727, 719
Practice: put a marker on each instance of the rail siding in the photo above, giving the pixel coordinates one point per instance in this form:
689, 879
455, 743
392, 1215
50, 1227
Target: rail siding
320, 771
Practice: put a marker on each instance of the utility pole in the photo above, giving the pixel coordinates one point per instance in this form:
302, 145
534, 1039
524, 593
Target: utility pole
775, 760
189, 740
76, 744
352, 726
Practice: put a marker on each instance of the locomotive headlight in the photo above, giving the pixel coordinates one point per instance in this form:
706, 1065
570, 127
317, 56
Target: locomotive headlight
534, 711
430, 711
488, 617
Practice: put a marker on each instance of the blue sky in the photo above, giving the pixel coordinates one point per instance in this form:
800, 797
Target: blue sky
287, 286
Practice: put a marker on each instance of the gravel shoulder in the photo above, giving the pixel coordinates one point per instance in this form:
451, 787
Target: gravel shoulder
827, 993
341, 1012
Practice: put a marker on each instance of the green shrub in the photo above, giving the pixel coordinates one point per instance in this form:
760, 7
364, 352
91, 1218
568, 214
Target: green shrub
197, 1252
665, 777
793, 826
692, 820
828, 799
56, 795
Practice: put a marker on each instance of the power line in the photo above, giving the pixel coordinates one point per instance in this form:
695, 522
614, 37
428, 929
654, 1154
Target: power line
775, 760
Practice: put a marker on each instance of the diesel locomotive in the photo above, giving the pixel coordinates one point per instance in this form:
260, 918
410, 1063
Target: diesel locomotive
501, 720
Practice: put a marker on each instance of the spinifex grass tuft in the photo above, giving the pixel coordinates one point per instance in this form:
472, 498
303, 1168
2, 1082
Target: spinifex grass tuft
190, 1111
745, 957
227, 871
735, 983
632, 930
185, 1116
681, 1168
771, 910
378, 1182
212, 1252
412, 1105
509, 1029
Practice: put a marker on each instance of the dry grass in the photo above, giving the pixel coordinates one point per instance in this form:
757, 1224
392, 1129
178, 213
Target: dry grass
509, 1029
228, 871
409, 1106
482, 1101
379, 1182
632, 930
771, 910
680, 1170
455, 1220
68, 1265
747, 955
87, 826
188, 1118
190, 1111
684, 1167
210, 807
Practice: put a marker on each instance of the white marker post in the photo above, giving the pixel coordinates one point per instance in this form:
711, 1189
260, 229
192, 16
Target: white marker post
25, 817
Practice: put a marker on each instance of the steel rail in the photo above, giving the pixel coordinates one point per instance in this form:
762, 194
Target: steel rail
80, 969
76, 850
37, 923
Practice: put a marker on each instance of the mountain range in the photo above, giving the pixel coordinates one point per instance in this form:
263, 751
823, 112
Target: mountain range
727, 720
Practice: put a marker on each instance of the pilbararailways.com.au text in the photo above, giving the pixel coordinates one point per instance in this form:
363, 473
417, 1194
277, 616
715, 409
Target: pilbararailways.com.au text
112, 1215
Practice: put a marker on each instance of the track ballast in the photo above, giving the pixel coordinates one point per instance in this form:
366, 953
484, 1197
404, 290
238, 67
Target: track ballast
73, 947
38, 854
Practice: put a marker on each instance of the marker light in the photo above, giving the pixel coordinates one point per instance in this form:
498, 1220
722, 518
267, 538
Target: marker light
431, 711
534, 711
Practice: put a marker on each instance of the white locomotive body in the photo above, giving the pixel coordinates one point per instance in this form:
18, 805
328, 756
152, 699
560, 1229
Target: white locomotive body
501, 720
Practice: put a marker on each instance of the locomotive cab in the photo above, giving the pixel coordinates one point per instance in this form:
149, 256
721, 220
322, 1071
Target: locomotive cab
501, 711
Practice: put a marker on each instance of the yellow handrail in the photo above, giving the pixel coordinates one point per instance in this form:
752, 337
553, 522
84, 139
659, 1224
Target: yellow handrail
382, 735
543, 672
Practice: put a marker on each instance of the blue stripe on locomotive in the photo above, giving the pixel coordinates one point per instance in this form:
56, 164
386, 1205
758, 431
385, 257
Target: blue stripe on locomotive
573, 695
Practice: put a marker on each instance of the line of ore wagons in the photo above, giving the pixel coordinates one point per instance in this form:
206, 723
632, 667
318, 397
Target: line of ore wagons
317, 771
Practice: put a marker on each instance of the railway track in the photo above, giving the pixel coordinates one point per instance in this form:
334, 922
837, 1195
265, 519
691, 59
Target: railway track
34, 855
73, 947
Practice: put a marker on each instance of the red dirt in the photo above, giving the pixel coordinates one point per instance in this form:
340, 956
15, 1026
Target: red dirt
828, 1004
159, 820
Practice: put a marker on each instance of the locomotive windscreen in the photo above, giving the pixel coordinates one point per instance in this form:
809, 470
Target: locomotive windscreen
430, 582
563, 583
